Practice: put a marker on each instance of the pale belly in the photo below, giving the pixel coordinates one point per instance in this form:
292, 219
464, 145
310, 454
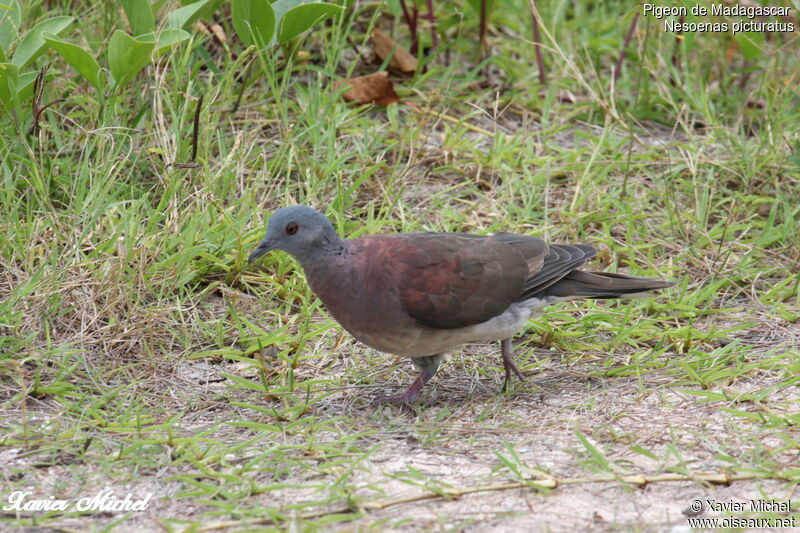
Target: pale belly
420, 341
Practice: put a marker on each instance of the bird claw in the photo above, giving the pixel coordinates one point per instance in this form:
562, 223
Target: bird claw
395, 398
407, 397
402, 401
508, 364
507, 381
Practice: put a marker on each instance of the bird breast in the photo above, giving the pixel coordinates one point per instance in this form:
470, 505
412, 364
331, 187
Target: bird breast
364, 299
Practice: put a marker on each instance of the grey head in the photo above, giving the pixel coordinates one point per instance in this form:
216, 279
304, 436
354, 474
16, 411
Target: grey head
299, 230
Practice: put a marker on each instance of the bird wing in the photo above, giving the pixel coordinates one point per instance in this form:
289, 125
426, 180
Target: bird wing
561, 259
447, 280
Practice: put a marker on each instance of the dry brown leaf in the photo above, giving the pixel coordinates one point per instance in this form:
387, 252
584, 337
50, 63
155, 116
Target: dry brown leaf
730, 53
375, 88
385, 46
213, 29
219, 33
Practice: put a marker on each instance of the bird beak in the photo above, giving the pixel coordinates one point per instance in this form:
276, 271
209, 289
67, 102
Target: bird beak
263, 247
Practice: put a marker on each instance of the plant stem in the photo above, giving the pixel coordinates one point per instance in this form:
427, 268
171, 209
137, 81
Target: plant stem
432, 20
537, 41
621, 58
482, 42
411, 22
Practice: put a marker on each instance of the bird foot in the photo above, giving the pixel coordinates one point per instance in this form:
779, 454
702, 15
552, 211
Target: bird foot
511, 367
395, 398
405, 398
507, 382
508, 364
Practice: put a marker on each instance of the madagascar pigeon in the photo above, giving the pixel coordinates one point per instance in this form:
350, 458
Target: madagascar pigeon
421, 294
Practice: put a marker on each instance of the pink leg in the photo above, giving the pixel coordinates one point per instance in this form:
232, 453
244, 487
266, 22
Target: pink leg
508, 363
428, 367
408, 396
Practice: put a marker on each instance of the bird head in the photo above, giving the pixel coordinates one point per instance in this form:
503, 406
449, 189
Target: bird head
298, 230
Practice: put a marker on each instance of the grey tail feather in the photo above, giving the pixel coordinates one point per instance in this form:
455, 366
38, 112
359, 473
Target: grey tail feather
582, 284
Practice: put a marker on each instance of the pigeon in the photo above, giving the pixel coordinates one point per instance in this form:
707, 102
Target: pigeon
420, 295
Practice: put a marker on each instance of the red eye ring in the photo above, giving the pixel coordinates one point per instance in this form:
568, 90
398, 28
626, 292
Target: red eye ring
291, 228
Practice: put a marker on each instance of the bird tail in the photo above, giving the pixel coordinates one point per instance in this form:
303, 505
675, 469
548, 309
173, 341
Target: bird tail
580, 284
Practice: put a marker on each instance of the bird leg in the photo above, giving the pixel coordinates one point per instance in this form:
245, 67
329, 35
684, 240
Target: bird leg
408, 396
428, 367
508, 363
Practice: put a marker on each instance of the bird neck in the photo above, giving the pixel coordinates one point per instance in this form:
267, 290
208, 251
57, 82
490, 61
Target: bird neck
331, 247
330, 270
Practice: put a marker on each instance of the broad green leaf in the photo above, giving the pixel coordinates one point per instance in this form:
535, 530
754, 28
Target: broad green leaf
282, 6
25, 84
33, 44
299, 19
140, 16
10, 20
254, 21
182, 17
80, 59
751, 44
9, 74
476, 5
127, 56
165, 39
205, 12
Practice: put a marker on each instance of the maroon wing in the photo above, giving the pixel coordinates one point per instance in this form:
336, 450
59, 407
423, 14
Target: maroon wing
450, 280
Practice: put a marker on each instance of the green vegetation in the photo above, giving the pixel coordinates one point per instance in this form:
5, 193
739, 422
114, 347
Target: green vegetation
141, 151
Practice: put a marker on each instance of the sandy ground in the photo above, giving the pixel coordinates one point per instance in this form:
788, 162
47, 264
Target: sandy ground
452, 443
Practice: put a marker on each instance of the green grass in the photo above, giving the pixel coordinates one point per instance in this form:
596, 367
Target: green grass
139, 351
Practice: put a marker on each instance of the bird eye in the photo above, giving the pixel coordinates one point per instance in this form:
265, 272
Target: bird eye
291, 228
